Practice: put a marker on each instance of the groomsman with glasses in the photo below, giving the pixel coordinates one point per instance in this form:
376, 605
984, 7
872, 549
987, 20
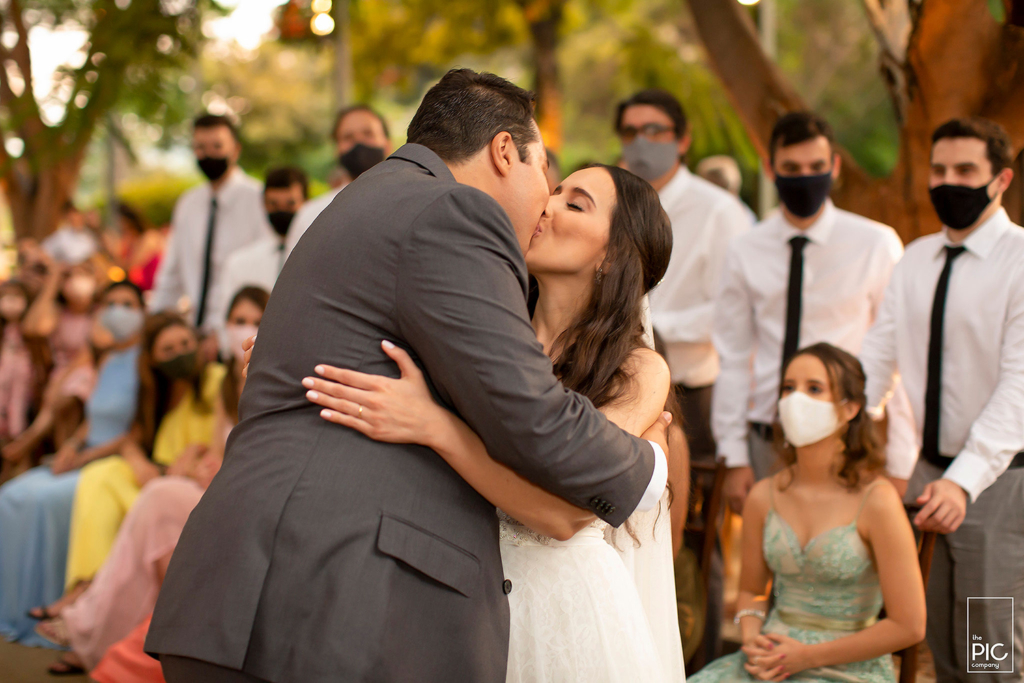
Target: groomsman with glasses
952, 327
808, 273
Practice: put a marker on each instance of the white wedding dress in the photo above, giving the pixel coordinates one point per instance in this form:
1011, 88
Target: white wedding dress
649, 560
575, 611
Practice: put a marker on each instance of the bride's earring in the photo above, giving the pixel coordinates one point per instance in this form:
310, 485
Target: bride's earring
599, 275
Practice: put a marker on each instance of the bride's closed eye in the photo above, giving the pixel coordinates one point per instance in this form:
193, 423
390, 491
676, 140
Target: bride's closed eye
574, 207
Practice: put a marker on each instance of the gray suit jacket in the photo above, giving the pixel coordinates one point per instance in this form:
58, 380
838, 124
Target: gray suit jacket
320, 555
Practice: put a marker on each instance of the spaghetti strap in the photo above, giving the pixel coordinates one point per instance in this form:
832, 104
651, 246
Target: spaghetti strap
864, 500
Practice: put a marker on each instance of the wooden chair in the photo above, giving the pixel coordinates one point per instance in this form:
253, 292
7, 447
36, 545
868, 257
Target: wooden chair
908, 656
702, 523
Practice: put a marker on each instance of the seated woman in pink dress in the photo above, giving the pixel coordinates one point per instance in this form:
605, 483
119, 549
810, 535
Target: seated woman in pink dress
58, 324
124, 591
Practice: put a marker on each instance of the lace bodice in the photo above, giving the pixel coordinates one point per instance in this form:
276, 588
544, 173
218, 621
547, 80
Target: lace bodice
831, 578
511, 530
827, 589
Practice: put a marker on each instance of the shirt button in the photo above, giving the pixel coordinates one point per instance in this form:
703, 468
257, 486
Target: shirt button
506, 587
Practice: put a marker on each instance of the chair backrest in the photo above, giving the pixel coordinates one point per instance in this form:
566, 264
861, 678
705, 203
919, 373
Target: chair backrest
706, 482
705, 508
908, 655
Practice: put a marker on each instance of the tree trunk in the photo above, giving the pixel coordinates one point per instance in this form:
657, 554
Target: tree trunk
544, 18
956, 60
36, 200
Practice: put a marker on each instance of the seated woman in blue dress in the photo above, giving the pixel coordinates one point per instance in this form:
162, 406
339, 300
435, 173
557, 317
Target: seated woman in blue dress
35, 507
833, 532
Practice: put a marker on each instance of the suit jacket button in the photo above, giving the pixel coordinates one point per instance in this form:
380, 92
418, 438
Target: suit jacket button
596, 503
506, 587
611, 509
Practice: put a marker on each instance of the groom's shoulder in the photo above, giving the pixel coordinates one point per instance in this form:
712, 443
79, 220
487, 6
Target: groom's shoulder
456, 207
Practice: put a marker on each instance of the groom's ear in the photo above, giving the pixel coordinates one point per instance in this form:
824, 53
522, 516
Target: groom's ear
503, 149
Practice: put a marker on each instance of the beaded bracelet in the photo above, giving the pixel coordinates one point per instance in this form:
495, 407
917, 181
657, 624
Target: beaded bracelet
749, 613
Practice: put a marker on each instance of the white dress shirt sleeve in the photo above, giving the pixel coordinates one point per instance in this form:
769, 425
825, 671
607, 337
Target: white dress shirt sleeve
998, 433
901, 449
878, 352
169, 285
695, 324
231, 280
734, 337
659, 478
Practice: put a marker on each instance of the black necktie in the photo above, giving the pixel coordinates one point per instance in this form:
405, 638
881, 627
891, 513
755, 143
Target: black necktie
933, 386
794, 298
207, 258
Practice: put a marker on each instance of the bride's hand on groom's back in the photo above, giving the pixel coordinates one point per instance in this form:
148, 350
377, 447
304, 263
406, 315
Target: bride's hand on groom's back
247, 346
384, 409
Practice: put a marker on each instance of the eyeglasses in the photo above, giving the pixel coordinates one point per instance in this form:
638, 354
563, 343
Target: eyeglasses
648, 130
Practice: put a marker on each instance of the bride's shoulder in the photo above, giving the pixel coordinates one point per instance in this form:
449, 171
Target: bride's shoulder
649, 376
647, 367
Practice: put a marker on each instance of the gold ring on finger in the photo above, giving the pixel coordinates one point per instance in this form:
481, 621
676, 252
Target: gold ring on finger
360, 411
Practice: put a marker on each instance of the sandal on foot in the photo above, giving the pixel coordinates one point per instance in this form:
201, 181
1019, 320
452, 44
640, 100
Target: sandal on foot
63, 667
40, 613
55, 631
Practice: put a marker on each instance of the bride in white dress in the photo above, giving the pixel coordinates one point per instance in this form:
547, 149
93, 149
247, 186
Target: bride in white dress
576, 615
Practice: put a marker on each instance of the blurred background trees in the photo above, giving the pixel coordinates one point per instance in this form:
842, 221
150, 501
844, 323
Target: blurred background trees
884, 73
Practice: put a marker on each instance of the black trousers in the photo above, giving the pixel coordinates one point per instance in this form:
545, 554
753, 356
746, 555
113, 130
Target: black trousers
188, 670
695, 405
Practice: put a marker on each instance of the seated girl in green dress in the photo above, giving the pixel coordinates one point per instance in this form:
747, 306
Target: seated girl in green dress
833, 533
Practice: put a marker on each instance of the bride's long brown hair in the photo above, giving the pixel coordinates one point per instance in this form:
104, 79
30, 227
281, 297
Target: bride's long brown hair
591, 354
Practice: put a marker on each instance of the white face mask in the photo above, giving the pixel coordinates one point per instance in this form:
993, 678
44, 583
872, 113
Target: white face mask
807, 420
234, 335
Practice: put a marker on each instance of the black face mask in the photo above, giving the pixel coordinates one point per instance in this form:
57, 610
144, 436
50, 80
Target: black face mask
179, 367
281, 221
213, 167
960, 207
803, 195
360, 159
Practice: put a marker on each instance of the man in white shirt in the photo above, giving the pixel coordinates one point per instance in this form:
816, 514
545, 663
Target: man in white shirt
362, 141
209, 223
952, 326
808, 273
259, 263
652, 128
655, 137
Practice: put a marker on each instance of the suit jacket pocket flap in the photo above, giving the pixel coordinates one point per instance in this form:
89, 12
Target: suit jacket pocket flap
429, 554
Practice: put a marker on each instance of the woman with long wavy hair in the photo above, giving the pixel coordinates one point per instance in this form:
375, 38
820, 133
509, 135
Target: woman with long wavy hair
832, 530
602, 244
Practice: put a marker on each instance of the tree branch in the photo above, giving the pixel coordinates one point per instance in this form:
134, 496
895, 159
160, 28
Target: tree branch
756, 87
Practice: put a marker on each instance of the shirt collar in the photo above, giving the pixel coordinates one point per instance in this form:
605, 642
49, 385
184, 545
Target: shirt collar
983, 240
679, 183
820, 230
234, 176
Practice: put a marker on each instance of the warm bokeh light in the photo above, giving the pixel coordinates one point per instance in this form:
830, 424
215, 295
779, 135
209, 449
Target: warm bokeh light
320, 6
749, 2
116, 274
322, 24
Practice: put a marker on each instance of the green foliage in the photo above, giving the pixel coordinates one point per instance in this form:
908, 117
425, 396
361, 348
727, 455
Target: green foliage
279, 94
827, 50
155, 194
131, 48
998, 10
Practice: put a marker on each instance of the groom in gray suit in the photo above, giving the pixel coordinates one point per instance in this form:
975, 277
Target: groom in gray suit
320, 555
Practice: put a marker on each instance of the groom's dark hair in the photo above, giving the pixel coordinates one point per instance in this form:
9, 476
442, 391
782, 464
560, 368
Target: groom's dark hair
465, 110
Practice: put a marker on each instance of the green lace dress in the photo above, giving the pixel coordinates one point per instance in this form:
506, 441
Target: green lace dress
826, 590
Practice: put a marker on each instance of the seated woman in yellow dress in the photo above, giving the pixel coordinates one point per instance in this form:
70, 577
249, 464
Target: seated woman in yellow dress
174, 421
